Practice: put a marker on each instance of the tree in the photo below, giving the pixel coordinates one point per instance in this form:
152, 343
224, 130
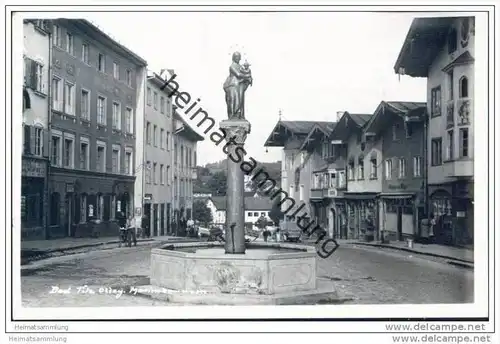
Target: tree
276, 214
218, 183
201, 212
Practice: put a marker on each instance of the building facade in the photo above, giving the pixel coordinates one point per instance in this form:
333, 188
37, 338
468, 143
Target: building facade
400, 126
96, 87
184, 170
442, 50
158, 156
297, 165
358, 208
35, 153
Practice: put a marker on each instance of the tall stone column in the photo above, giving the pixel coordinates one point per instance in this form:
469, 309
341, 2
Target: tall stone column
236, 133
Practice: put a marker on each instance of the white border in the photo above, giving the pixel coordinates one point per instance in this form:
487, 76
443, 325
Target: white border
479, 308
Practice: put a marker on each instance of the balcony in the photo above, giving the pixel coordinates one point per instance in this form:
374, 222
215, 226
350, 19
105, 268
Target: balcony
319, 194
459, 168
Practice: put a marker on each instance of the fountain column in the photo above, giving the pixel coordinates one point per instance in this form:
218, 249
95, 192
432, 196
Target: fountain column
236, 131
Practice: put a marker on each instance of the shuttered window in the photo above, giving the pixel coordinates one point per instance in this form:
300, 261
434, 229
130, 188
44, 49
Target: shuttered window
34, 75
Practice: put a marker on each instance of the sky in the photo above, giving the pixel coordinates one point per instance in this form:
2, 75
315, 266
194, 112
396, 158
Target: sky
309, 65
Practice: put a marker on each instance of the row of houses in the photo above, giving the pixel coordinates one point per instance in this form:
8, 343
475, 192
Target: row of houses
385, 174
100, 136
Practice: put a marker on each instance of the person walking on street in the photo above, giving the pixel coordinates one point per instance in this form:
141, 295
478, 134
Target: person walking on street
145, 226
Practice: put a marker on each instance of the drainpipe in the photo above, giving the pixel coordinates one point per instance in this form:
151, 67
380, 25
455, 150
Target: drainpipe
426, 168
49, 140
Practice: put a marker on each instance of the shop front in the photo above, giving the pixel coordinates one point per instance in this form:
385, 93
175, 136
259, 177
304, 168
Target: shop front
339, 217
362, 215
85, 206
401, 216
33, 198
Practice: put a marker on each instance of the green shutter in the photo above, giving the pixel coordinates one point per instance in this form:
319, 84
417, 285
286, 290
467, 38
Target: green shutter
27, 71
27, 139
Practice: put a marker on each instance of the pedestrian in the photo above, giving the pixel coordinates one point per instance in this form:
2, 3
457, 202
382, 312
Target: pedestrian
132, 229
145, 226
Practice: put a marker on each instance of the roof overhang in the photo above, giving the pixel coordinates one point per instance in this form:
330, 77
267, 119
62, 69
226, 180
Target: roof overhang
278, 136
423, 42
186, 131
344, 128
317, 133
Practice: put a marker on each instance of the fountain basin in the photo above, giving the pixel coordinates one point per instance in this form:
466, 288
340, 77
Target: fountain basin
264, 269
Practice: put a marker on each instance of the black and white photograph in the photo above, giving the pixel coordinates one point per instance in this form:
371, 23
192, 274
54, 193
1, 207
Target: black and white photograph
329, 163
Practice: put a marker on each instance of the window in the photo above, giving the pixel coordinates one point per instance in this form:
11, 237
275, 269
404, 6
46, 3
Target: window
155, 180
449, 145
56, 35
409, 130
162, 138
162, 175
129, 77
436, 101
128, 162
68, 152
194, 158
101, 110
255, 214
69, 43
168, 140
373, 168
155, 100
148, 172
388, 169
101, 63
84, 155
115, 160
116, 116
38, 141
148, 133
155, 136
129, 126
116, 71
340, 179
250, 214
101, 158
85, 53
402, 168
34, 75
57, 96
361, 168
417, 166
162, 104
464, 142
350, 170
262, 214
301, 193
56, 151
69, 104
450, 85
85, 105
463, 87
149, 96
168, 174
395, 128
436, 152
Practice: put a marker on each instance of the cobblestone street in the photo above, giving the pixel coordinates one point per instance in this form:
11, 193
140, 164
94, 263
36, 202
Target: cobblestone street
361, 275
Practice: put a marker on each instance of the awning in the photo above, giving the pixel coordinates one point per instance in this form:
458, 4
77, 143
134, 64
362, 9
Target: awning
360, 196
397, 195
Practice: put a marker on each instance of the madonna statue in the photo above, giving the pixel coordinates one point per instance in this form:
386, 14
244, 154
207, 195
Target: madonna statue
235, 86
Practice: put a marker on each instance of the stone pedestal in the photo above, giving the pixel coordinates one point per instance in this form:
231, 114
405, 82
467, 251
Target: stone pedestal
236, 133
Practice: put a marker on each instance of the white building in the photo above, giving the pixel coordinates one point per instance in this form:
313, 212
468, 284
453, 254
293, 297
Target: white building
442, 50
255, 207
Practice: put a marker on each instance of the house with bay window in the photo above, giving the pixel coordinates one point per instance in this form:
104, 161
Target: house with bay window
441, 49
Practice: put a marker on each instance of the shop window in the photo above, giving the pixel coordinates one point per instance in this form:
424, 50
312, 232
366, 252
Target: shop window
83, 208
31, 210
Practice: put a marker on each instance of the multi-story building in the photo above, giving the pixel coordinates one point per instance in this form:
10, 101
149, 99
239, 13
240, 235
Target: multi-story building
97, 91
158, 148
442, 50
185, 144
297, 164
364, 183
34, 173
326, 178
400, 126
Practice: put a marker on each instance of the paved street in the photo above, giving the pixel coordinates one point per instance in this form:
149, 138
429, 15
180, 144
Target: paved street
363, 275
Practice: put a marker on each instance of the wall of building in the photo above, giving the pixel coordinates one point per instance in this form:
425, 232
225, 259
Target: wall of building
254, 218
354, 150
437, 125
403, 147
139, 171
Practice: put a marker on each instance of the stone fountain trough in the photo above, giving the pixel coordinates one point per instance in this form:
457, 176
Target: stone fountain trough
267, 273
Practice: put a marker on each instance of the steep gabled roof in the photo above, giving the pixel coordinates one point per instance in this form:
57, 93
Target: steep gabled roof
400, 108
219, 202
283, 129
318, 132
348, 124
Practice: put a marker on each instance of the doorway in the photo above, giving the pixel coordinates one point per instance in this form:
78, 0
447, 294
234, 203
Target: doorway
155, 219
169, 221
162, 219
400, 223
69, 214
147, 212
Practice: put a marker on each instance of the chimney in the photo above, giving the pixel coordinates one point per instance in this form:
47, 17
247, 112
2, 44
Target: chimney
339, 115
